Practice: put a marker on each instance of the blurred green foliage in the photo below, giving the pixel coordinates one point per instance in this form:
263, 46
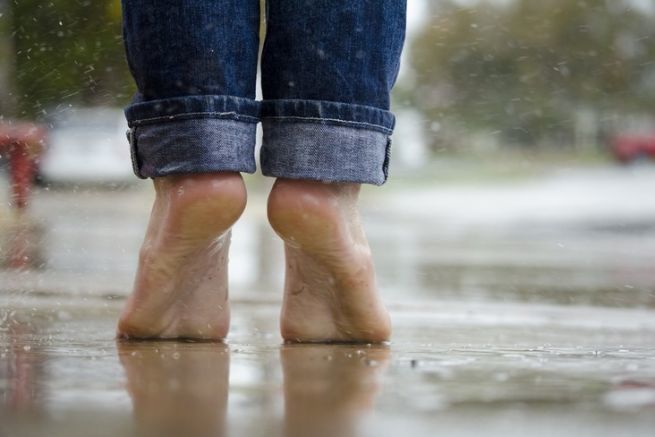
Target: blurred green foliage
59, 52
6, 54
67, 52
525, 67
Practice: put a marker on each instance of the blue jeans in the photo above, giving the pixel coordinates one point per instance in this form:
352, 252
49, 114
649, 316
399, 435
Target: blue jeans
327, 70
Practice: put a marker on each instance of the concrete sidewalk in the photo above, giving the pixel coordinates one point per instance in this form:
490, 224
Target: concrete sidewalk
519, 309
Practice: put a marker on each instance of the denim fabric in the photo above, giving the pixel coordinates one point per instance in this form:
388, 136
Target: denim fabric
303, 150
328, 67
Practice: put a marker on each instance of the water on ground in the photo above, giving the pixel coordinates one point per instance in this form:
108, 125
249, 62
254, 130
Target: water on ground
522, 309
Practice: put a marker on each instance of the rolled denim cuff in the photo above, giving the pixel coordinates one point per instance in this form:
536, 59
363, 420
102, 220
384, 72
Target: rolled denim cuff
326, 141
193, 134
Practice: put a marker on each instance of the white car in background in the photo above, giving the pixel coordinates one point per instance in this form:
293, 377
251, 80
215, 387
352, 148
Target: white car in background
87, 146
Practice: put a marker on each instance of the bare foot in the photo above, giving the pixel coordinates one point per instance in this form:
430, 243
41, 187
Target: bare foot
180, 289
330, 289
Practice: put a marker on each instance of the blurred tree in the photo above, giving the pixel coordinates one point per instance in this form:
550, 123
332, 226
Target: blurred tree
68, 51
6, 61
524, 67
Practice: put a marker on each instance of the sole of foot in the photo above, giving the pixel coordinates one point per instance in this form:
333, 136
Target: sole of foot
330, 289
180, 290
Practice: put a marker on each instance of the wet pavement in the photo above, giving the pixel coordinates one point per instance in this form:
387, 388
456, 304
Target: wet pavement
532, 313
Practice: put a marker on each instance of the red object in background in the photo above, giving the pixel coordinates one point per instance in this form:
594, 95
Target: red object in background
629, 148
24, 143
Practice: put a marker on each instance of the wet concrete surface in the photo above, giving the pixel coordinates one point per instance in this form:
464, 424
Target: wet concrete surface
507, 321
450, 370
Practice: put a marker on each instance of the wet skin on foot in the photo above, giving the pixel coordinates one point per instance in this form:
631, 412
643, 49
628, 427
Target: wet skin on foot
180, 289
330, 288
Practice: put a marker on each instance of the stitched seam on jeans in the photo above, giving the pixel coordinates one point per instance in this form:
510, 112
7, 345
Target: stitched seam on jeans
187, 115
312, 175
134, 153
332, 120
277, 103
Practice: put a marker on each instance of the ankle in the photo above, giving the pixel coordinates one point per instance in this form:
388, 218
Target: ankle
294, 202
204, 183
221, 193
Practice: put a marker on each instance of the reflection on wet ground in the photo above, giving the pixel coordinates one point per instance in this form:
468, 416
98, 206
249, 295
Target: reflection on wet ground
20, 244
503, 323
60, 371
166, 378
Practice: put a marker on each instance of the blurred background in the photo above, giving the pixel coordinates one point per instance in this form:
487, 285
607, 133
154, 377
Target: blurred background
523, 159
516, 236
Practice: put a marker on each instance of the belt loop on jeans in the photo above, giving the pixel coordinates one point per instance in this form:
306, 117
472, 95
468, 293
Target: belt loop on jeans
134, 155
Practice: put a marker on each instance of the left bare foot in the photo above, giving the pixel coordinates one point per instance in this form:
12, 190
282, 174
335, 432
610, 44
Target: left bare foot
330, 289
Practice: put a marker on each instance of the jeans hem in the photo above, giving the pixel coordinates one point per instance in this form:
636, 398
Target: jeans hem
303, 139
298, 149
192, 146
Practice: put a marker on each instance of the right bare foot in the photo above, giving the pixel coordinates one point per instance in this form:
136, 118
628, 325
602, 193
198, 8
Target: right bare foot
330, 290
180, 289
